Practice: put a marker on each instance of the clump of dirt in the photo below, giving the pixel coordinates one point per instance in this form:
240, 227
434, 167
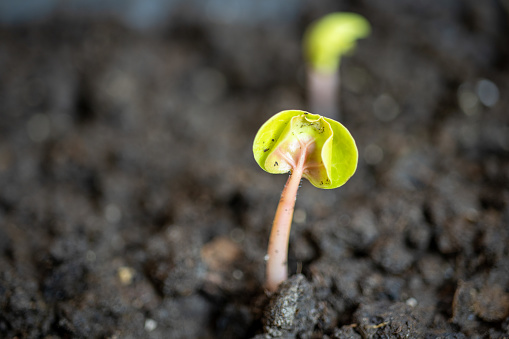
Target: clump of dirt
131, 207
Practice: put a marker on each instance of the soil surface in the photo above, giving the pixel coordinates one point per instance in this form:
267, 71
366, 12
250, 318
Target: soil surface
131, 205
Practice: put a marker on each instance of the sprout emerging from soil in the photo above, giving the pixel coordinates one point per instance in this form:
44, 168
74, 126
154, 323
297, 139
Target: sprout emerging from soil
305, 145
325, 42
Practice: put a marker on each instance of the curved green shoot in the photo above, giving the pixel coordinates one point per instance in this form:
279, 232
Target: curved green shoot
331, 157
305, 145
332, 36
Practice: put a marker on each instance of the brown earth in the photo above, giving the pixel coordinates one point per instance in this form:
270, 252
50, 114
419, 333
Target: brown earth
131, 206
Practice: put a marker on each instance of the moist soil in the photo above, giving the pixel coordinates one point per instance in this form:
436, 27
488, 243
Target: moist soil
131, 205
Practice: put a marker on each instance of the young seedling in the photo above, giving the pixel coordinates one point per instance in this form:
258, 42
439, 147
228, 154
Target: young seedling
305, 145
325, 42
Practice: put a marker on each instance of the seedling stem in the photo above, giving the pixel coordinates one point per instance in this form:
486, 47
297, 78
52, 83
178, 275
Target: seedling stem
277, 252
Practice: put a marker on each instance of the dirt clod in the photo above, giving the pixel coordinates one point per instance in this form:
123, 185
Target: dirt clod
291, 310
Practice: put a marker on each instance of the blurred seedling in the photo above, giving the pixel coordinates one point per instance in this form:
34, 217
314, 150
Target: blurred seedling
325, 42
305, 145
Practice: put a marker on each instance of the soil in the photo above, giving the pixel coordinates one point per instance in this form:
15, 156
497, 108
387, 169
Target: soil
131, 205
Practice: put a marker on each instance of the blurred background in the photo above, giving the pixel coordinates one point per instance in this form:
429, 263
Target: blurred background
154, 13
131, 205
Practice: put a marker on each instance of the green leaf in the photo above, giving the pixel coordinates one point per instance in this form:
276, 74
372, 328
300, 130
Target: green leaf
330, 157
344, 153
334, 35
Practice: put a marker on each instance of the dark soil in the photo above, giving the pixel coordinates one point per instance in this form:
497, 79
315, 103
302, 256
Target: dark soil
131, 205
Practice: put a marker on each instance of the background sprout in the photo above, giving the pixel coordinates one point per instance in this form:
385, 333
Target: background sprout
325, 42
306, 145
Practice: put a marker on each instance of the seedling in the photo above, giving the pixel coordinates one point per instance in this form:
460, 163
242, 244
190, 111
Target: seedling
305, 145
325, 42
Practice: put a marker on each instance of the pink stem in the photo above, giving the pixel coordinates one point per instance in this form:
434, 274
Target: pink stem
277, 262
323, 93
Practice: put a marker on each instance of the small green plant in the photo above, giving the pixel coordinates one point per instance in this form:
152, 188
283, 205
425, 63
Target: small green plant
325, 42
305, 145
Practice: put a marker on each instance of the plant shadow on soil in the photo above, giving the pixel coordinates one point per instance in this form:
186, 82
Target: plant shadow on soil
131, 207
